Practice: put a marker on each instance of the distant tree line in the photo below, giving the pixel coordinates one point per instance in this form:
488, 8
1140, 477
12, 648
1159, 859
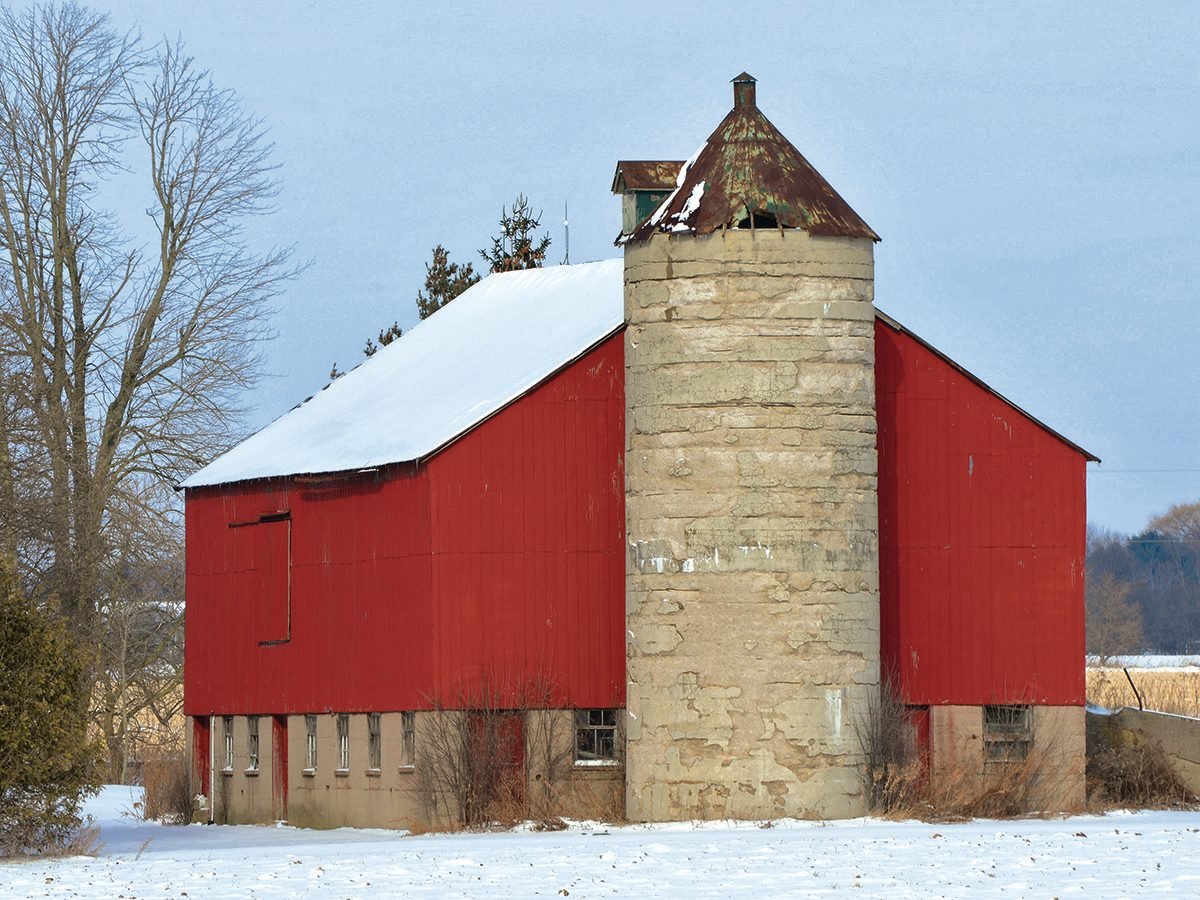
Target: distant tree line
1143, 591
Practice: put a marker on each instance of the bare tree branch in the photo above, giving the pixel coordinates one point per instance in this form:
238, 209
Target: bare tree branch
121, 365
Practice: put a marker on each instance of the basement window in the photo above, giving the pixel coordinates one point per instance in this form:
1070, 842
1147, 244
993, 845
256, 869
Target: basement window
310, 744
343, 735
1007, 732
408, 740
595, 737
374, 743
227, 728
252, 743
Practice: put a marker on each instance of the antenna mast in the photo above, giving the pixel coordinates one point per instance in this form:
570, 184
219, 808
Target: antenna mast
567, 234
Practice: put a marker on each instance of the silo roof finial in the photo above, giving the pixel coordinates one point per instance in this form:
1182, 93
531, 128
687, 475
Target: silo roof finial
743, 90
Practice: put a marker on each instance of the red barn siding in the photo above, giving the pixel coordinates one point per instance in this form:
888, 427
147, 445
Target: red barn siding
981, 534
528, 523
359, 586
461, 565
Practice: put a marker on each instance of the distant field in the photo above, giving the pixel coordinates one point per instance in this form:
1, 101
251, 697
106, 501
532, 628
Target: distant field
1171, 687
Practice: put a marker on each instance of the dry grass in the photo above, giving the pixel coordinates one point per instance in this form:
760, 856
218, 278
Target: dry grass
1163, 690
83, 841
959, 792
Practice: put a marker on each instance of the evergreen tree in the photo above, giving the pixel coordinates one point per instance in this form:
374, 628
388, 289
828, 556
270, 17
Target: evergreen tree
444, 281
386, 336
47, 764
514, 248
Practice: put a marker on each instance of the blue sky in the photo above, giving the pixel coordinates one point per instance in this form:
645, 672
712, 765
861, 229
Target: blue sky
1033, 169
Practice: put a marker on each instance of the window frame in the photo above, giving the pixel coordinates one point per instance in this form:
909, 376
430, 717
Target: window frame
227, 726
597, 741
310, 743
343, 743
408, 741
1007, 732
252, 745
374, 742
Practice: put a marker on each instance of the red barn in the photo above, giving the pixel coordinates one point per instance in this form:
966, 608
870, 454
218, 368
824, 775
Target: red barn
439, 544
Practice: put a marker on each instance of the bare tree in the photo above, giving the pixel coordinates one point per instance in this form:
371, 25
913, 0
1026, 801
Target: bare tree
1180, 523
1114, 621
123, 360
138, 697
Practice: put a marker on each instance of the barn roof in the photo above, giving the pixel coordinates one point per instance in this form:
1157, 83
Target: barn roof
494, 343
748, 172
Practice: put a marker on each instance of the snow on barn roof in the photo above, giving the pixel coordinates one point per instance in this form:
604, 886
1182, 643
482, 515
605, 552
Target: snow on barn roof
494, 343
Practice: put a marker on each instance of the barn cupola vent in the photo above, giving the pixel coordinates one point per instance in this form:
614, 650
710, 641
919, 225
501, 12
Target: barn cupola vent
746, 175
642, 185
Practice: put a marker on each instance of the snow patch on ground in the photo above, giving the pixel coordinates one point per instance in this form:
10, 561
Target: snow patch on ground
1114, 855
1144, 661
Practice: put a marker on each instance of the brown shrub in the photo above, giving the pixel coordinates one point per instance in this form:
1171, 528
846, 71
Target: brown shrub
495, 755
168, 788
886, 736
85, 841
899, 783
1135, 774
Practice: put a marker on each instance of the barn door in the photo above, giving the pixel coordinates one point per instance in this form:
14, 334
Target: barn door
202, 756
262, 561
279, 768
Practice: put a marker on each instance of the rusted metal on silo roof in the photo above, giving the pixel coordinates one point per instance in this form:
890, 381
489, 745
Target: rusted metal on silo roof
645, 175
748, 175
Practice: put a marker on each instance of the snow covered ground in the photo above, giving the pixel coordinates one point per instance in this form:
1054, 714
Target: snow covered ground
1117, 855
1145, 661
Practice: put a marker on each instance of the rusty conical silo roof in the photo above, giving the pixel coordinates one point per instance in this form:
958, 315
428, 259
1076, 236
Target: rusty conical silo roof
747, 174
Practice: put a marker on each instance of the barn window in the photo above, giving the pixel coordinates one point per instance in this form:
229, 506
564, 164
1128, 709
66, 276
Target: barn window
310, 743
343, 734
408, 740
595, 736
227, 724
1007, 732
252, 743
374, 743
645, 203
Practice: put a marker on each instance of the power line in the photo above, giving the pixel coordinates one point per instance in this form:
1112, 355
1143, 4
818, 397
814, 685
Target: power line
1138, 540
1141, 471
